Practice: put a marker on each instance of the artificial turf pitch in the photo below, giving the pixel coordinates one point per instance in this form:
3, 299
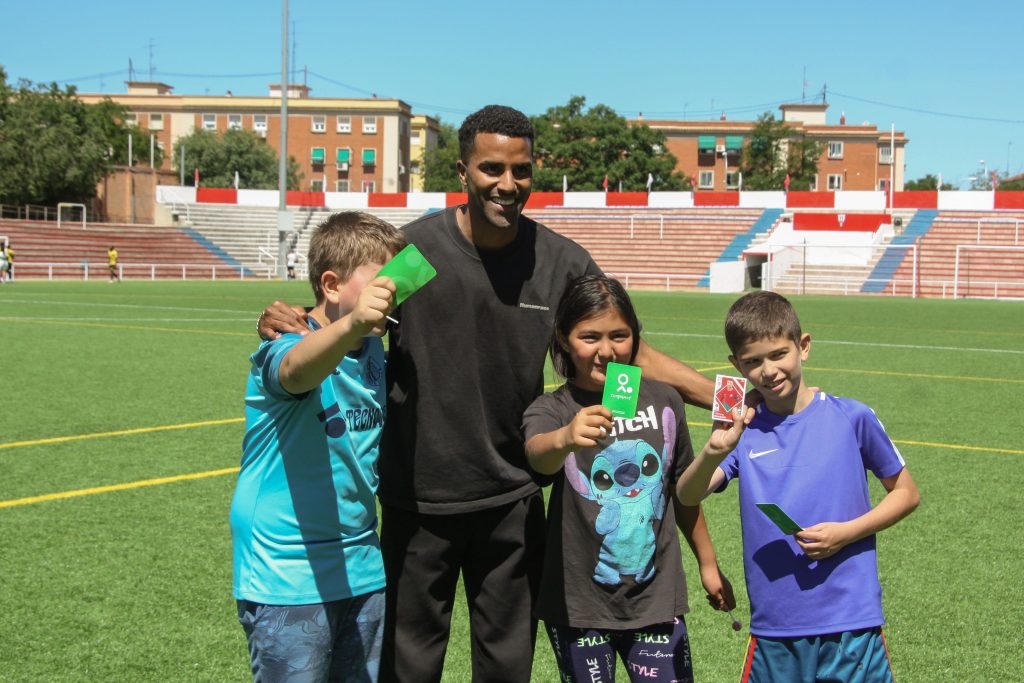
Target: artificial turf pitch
115, 563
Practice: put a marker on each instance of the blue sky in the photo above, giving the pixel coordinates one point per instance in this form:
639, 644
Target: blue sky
947, 73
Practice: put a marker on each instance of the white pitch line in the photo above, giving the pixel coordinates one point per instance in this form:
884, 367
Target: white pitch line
23, 318
915, 347
101, 305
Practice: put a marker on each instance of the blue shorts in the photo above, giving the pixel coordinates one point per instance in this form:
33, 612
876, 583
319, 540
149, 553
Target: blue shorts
847, 657
329, 641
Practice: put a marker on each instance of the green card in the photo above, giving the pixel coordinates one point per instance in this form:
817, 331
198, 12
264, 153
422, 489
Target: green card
781, 519
621, 390
409, 270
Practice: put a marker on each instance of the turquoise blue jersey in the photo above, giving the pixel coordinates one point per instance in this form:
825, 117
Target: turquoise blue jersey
304, 516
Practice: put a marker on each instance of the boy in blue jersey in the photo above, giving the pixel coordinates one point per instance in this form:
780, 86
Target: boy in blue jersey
308, 573
815, 598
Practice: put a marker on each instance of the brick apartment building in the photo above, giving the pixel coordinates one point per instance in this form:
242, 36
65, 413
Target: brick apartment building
341, 145
852, 157
425, 130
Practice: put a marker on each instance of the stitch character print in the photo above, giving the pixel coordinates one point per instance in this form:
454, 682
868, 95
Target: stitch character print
627, 480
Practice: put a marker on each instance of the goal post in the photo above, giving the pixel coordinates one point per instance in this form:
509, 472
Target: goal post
69, 205
964, 282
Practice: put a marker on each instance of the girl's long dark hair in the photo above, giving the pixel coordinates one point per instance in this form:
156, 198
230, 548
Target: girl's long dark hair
587, 297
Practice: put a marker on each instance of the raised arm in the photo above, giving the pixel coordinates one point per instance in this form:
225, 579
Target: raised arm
309, 362
827, 538
695, 388
704, 475
546, 452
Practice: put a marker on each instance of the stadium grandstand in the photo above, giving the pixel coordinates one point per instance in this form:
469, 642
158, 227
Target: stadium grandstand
930, 244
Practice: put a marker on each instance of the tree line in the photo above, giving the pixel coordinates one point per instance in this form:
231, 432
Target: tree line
54, 148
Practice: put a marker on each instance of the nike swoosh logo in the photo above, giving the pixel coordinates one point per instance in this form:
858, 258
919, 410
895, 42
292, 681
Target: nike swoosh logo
753, 455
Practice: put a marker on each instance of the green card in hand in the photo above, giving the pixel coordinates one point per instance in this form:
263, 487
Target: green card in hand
621, 390
409, 270
781, 519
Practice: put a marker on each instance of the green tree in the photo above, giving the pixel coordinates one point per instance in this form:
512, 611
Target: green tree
775, 151
439, 173
928, 182
586, 144
55, 148
219, 155
1015, 183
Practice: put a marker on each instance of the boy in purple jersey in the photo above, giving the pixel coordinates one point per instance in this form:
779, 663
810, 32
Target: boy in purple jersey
815, 598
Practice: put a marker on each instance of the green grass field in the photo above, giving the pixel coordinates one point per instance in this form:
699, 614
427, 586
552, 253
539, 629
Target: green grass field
120, 411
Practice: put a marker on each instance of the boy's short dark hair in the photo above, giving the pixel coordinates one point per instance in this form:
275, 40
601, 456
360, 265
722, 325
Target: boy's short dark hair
494, 118
586, 297
761, 315
347, 240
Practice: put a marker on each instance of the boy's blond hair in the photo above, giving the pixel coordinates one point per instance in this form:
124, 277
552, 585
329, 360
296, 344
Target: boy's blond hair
761, 315
348, 240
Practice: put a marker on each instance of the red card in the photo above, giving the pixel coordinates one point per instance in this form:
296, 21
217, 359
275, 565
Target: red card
729, 393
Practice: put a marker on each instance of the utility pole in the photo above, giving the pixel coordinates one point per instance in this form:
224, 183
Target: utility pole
284, 219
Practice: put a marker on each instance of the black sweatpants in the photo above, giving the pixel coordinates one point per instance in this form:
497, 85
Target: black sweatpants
500, 553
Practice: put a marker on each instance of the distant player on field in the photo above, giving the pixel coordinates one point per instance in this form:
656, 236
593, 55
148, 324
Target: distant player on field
112, 264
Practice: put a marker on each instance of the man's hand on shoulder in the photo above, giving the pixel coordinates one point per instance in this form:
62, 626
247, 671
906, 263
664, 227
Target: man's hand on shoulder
279, 318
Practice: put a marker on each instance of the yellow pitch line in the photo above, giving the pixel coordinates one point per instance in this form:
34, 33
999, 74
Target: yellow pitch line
122, 432
114, 487
132, 327
958, 447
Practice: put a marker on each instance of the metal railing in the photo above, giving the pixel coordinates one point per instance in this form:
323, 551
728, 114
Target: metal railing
84, 270
35, 212
680, 279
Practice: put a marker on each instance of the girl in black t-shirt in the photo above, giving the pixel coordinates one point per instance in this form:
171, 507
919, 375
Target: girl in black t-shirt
613, 582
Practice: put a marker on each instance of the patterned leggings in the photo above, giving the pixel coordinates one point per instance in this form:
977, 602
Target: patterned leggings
659, 653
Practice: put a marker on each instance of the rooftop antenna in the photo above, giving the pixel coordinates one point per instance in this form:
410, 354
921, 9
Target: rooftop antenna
803, 88
824, 93
151, 67
131, 70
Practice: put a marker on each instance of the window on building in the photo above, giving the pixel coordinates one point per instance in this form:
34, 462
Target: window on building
131, 120
835, 181
259, 124
369, 124
369, 186
732, 180
414, 139
341, 185
344, 158
209, 122
835, 150
156, 121
706, 180
813, 184
883, 185
885, 154
317, 185
414, 169
317, 156
344, 125
369, 156
706, 150
234, 122
319, 124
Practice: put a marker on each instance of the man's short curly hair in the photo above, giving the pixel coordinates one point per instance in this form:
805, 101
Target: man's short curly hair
494, 118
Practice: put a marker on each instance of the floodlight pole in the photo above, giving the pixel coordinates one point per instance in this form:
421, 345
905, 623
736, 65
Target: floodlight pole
284, 222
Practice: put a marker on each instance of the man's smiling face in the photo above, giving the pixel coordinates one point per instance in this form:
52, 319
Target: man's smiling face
498, 177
